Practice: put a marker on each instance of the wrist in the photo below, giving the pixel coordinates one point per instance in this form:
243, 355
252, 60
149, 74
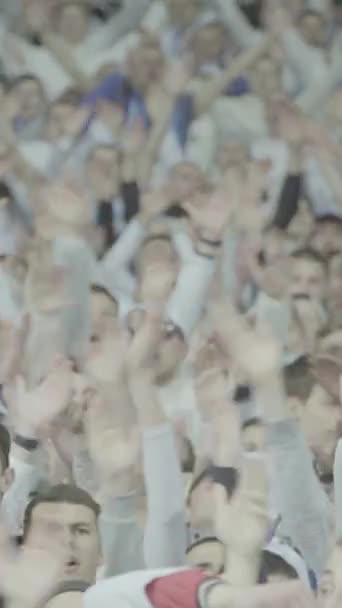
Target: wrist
242, 567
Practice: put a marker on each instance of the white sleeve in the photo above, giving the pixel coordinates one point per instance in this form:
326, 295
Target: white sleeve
155, 17
242, 32
187, 301
125, 248
122, 23
301, 56
165, 531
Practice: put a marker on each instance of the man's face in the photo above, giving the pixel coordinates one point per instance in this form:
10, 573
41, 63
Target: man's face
327, 239
157, 251
312, 29
59, 114
321, 418
73, 23
208, 556
30, 97
145, 64
182, 14
75, 528
189, 179
307, 278
267, 78
104, 170
208, 43
232, 154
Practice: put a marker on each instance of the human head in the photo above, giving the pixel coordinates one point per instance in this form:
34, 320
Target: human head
182, 14
72, 21
267, 77
318, 411
312, 26
30, 96
208, 43
307, 275
145, 62
67, 515
60, 112
327, 237
232, 153
189, 179
206, 554
103, 170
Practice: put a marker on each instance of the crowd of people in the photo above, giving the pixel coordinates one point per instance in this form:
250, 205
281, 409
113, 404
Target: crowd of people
171, 303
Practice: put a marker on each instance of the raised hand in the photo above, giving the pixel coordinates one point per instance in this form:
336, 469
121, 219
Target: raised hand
30, 574
34, 410
114, 446
242, 522
255, 351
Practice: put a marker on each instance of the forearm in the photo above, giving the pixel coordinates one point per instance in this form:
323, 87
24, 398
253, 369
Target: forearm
213, 89
66, 60
123, 22
298, 495
122, 538
165, 531
188, 299
156, 136
298, 53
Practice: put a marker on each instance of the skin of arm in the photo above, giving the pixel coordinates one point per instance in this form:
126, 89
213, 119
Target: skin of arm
212, 90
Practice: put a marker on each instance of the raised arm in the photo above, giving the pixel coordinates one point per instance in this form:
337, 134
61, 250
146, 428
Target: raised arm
165, 530
212, 89
296, 489
240, 29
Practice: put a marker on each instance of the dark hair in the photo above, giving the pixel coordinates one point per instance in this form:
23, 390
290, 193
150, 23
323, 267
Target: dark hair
328, 218
104, 220
5, 444
61, 493
255, 421
299, 378
308, 254
272, 564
